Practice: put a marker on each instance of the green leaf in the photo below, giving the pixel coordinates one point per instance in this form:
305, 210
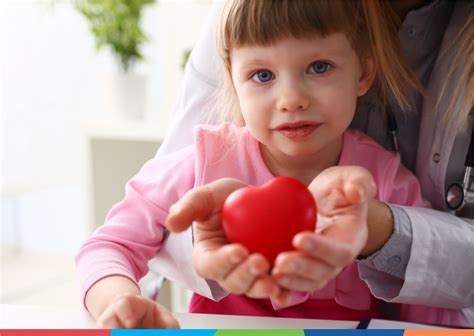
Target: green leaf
116, 24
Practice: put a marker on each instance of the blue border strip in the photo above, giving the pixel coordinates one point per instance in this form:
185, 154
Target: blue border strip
163, 332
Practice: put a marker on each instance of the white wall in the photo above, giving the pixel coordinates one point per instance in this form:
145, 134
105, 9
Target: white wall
52, 82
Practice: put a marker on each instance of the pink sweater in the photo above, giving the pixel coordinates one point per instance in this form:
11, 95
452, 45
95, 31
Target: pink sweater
133, 232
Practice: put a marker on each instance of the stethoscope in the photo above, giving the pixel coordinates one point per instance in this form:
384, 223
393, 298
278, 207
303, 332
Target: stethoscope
459, 196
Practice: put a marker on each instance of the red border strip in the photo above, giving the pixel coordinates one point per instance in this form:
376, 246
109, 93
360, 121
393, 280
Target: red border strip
54, 332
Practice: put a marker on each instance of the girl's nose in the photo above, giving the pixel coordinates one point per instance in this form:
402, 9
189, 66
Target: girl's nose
292, 97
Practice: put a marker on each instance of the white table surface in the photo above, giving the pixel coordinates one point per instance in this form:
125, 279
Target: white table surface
49, 317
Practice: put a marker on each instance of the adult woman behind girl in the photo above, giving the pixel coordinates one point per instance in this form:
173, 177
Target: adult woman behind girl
418, 256
118, 244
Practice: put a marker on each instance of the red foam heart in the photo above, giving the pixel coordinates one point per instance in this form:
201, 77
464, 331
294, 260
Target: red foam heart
265, 219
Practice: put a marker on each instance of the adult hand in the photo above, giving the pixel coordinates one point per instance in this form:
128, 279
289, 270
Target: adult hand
342, 194
135, 311
214, 258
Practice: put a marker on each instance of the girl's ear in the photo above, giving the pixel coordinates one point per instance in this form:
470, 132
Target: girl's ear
367, 75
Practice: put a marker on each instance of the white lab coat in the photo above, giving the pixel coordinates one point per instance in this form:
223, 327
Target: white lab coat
440, 271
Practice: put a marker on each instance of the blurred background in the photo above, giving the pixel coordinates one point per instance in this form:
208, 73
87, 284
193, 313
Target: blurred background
77, 122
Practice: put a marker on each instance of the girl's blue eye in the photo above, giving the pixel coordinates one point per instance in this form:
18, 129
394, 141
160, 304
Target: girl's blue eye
320, 67
263, 76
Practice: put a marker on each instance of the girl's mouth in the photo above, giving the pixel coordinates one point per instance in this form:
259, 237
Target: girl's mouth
297, 130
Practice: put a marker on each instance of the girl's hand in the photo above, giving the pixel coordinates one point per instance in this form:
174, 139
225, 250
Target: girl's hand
342, 194
214, 258
135, 311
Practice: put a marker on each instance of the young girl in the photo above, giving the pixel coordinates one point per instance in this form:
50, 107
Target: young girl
294, 72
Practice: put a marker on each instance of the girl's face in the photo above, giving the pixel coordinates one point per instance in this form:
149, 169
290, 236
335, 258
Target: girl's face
298, 96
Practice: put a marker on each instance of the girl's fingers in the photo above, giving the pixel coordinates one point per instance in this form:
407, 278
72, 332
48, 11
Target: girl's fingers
294, 263
294, 282
326, 250
356, 182
282, 297
131, 310
200, 203
263, 287
241, 278
163, 319
134, 311
217, 264
109, 320
119, 314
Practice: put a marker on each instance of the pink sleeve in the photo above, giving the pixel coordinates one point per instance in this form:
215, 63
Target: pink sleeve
395, 183
133, 230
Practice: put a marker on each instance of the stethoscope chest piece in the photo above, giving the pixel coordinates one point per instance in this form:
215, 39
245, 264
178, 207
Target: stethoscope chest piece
460, 197
454, 196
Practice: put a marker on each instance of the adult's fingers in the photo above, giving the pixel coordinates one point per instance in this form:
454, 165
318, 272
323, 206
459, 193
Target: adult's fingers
200, 203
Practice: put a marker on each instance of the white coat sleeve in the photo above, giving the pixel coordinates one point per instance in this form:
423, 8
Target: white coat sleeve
193, 107
196, 98
440, 270
442, 259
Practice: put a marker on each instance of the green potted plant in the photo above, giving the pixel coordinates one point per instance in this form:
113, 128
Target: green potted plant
116, 24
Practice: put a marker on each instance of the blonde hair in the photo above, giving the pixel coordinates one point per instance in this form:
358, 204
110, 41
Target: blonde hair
462, 64
370, 25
